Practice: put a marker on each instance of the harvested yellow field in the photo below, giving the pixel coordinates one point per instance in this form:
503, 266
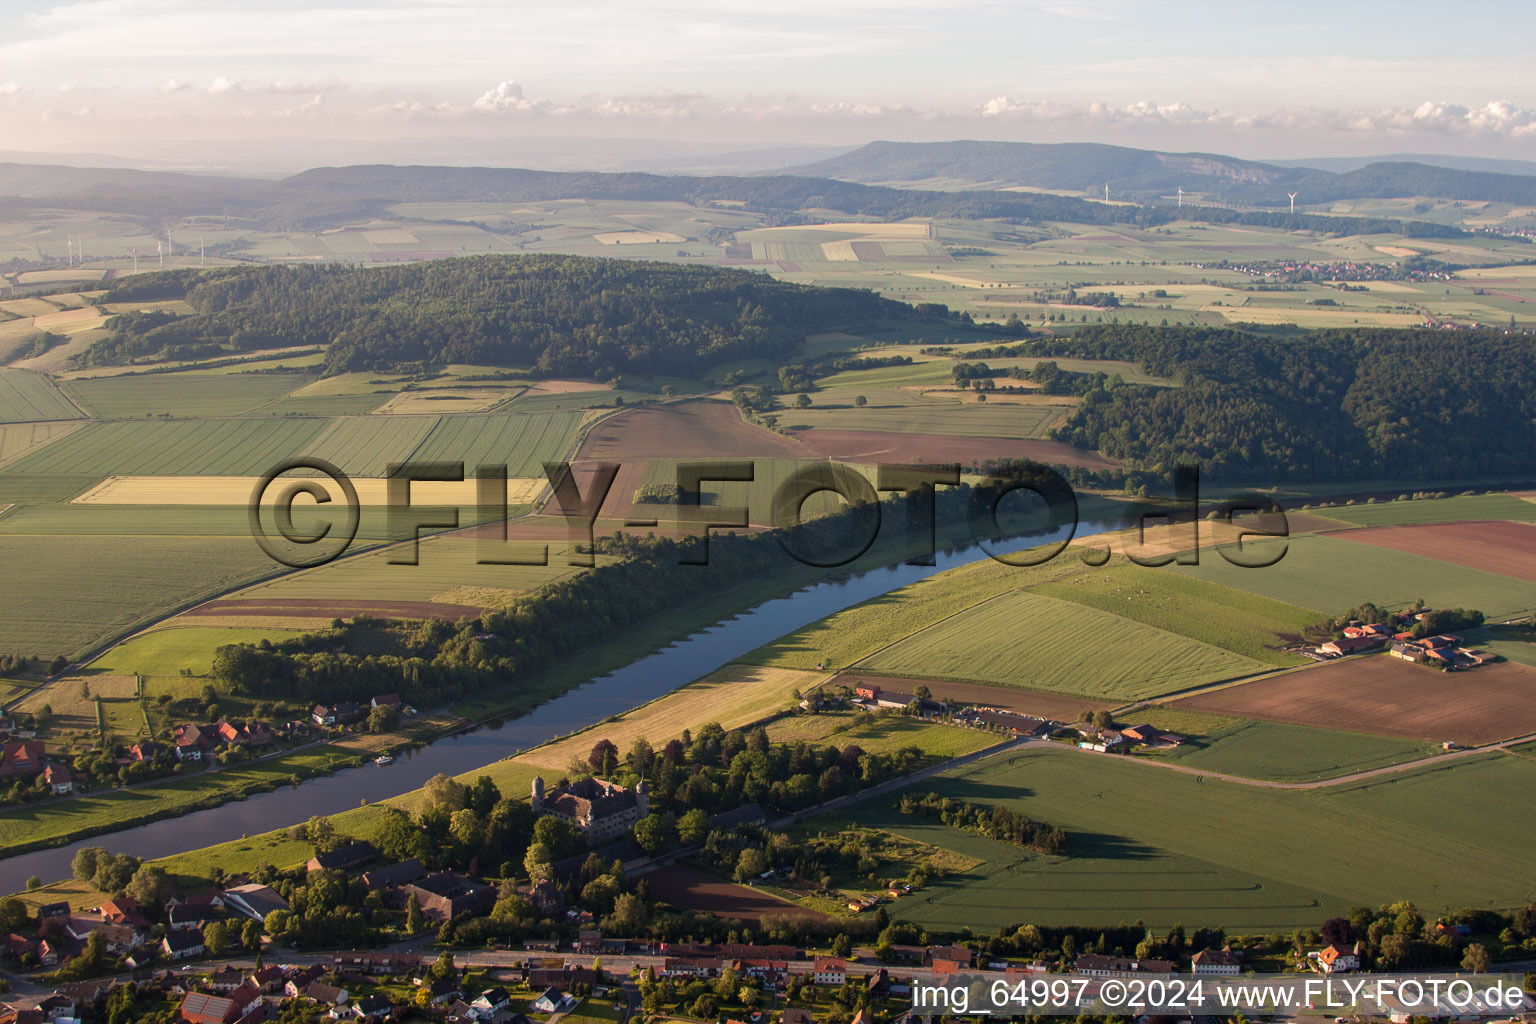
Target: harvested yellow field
236, 490
964, 282
1165, 539
1399, 251
637, 237
1388, 286
898, 229
565, 387
65, 696
446, 400
1477, 272
733, 696
66, 274
482, 597
298, 622
18, 439
1315, 317
69, 321
28, 307
839, 252
392, 236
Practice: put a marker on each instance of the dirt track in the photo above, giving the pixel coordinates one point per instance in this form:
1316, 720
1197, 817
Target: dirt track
689, 889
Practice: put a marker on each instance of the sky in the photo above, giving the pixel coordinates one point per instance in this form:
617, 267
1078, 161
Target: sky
181, 79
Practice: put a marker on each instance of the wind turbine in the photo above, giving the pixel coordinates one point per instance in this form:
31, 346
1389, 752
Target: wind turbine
69, 250
160, 248
135, 260
1293, 201
1181, 197
1106, 191
201, 250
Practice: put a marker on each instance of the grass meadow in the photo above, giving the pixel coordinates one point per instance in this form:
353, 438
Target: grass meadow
1437, 510
1040, 643
181, 394
1334, 575
1163, 847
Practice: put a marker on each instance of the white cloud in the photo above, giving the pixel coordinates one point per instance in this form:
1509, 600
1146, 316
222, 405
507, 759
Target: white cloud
505, 98
309, 108
9, 89
175, 85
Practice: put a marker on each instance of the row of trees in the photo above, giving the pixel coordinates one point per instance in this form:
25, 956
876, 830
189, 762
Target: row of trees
994, 822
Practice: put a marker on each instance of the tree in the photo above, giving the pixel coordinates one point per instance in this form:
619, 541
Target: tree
842, 945
604, 757
442, 968
921, 690
802, 401
444, 791
151, 885
693, 826
752, 863
655, 832
981, 396
57, 665
383, 718
215, 937
13, 914
860, 401
322, 833
1476, 958
1103, 719
85, 861
34, 882
415, 920
629, 914
250, 935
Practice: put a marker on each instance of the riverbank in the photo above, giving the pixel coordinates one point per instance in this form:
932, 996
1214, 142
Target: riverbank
68, 822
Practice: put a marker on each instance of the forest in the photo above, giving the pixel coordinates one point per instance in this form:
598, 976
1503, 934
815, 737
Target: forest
1334, 405
554, 314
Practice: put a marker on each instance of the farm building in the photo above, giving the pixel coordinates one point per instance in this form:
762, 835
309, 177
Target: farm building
1350, 645
252, 900
1148, 734
1216, 961
1096, 966
876, 696
447, 894
344, 858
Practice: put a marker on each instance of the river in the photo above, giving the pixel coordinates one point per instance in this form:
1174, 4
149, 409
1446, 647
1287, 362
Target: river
640, 681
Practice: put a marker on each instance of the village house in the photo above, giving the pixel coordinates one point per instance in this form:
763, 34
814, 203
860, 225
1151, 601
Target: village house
182, 945
493, 999
374, 1006
59, 779
1096, 966
191, 743
22, 758
552, 1000
829, 970
378, 963
1216, 961
1336, 959
145, 750
959, 954
595, 806
895, 700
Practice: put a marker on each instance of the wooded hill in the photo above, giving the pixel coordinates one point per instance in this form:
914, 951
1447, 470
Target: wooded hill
1147, 174
556, 314
338, 195
1312, 407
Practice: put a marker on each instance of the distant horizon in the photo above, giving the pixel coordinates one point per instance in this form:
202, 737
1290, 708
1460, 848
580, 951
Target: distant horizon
1199, 76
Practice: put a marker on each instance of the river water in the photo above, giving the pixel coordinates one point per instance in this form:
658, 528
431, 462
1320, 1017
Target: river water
636, 683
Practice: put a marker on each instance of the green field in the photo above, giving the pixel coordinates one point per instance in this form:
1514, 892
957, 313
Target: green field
1334, 575
835, 410
166, 652
67, 596
1436, 510
180, 394
1272, 750
232, 447
48, 824
1247, 624
521, 440
26, 396
1040, 643
1162, 847
366, 445
887, 732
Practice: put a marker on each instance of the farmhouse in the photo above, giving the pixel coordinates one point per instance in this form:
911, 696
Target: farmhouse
22, 757
1148, 734
1351, 645
877, 696
1096, 966
829, 970
181, 945
446, 895
344, 858
1216, 961
594, 806
191, 743
392, 876
59, 779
